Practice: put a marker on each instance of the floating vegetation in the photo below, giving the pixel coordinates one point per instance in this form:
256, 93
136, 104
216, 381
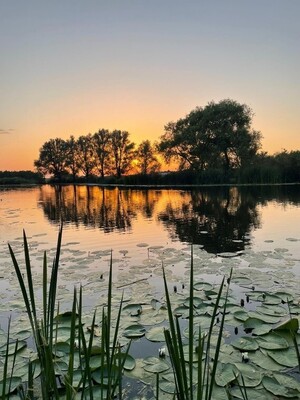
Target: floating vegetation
246, 334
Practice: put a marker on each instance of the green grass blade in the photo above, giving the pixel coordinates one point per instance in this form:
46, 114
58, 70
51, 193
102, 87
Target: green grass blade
109, 299
29, 277
24, 292
53, 286
30, 394
4, 377
86, 349
45, 295
199, 365
172, 342
191, 324
69, 377
217, 351
185, 380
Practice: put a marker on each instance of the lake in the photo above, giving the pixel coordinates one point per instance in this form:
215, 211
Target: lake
139, 224
254, 230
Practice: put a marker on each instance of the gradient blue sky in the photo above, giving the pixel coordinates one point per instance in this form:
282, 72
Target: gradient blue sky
73, 67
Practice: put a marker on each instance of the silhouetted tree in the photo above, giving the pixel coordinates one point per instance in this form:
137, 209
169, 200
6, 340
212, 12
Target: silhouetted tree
86, 156
122, 152
218, 135
52, 159
147, 161
72, 161
102, 148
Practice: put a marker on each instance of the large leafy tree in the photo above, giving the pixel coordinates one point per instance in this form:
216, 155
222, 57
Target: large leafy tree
86, 155
72, 161
52, 159
122, 152
218, 135
146, 160
102, 148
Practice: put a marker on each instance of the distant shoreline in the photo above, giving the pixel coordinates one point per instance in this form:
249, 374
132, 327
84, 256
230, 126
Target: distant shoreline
150, 186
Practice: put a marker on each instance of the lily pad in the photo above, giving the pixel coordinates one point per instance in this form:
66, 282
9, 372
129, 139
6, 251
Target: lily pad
133, 309
264, 361
286, 357
12, 348
241, 315
285, 296
10, 385
155, 365
257, 326
245, 343
267, 298
287, 381
242, 281
273, 386
275, 310
291, 324
272, 341
250, 373
269, 319
197, 301
61, 348
129, 361
156, 334
134, 331
22, 335
257, 394
225, 374
202, 286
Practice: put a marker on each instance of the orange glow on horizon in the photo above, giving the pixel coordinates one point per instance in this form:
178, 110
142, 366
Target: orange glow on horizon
19, 148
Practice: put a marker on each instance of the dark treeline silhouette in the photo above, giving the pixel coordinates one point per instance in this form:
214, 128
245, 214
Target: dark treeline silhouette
20, 177
95, 156
214, 144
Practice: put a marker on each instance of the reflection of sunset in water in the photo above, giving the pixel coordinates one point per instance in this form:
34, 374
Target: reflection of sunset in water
223, 214
219, 219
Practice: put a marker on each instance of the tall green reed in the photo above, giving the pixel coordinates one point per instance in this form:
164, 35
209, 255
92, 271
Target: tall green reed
207, 362
44, 326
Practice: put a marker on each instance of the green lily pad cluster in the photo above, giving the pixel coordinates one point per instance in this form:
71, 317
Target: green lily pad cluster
258, 349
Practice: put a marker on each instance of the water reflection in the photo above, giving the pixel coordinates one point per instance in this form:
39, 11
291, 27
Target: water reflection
107, 209
220, 219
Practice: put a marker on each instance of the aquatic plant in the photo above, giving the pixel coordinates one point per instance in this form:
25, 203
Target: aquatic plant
186, 387
73, 365
194, 361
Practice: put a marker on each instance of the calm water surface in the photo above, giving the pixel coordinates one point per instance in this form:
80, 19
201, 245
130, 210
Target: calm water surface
253, 230
141, 225
219, 219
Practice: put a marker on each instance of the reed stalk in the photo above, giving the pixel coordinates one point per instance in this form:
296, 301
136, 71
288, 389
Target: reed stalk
206, 369
43, 328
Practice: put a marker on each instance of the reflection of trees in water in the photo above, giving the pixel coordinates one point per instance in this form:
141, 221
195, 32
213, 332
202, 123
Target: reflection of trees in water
103, 208
226, 214
284, 194
218, 219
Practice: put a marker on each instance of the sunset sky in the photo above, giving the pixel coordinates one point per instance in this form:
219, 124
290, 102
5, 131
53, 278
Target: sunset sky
74, 66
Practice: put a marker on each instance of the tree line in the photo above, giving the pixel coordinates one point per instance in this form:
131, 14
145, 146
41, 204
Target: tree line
100, 154
212, 144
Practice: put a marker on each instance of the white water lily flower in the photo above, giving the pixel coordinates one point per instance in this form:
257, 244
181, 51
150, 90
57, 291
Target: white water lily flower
162, 352
245, 356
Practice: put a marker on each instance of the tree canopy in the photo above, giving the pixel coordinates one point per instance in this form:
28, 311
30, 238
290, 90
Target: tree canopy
216, 136
146, 160
103, 153
212, 144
